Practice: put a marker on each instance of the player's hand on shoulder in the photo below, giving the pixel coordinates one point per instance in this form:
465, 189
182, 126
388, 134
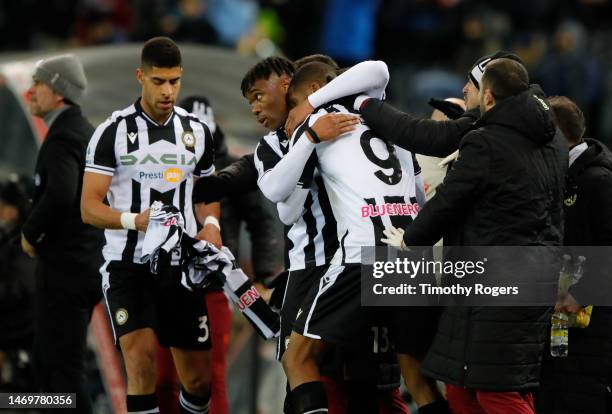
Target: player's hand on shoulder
297, 115
332, 125
394, 238
142, 221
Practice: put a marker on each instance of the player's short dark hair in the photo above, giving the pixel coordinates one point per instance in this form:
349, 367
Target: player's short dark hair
313, 72
569, 117
318, 57
160, 52
265, 68
505, 77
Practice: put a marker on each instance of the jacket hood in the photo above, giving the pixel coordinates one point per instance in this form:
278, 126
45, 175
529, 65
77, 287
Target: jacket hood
596, 155
528, 113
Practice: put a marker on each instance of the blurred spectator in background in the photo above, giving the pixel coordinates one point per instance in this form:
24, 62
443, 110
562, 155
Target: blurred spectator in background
16, 288
148, 14
300, 39
188, 21
349, 29
232, 19
570, 69
416, 31
426, 43
408, 33
103, 21
68, 284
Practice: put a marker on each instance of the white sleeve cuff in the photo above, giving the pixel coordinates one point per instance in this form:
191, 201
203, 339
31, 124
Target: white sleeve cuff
359, 101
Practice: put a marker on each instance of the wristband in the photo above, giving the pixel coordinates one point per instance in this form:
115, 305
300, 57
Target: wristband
313, 135
128, 221
214, 221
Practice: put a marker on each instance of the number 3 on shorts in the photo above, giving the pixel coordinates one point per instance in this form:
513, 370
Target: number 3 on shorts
204, 327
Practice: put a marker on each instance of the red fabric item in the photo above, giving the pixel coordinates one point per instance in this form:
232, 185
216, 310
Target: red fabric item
391, 402
167, 389
468, 401
220, 320
337, 396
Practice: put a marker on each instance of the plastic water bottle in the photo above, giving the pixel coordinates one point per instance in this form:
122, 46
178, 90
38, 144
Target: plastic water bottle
566, 276
559, 338
559, 334
579, 269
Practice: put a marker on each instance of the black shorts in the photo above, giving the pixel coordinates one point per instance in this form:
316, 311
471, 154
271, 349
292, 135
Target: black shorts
137, 299
412, 329
377, 365
299, 283
332, 310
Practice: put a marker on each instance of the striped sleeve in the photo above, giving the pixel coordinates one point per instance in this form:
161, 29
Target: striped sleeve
415, 163
100, 157
205, 165
265, 157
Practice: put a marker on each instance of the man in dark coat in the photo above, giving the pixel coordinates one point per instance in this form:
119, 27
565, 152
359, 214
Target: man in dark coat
506, 188
68, 284
582, 382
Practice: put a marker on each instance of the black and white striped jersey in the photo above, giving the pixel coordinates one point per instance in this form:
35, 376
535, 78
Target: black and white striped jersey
312, 240
371, 183
148, 162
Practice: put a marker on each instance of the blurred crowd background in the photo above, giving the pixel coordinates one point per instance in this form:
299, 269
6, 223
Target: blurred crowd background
428, 44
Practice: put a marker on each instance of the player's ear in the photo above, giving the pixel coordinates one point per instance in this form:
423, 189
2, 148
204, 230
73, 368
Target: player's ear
489, 97
284, 82
140, 75
314, 86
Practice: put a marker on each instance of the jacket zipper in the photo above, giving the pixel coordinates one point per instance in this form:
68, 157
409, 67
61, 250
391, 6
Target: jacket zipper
466, 348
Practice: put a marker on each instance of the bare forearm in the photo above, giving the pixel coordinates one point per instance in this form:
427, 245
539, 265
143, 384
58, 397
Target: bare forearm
99, 215
204, 210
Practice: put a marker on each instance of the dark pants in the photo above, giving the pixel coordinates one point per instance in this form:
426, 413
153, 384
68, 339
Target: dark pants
65, 298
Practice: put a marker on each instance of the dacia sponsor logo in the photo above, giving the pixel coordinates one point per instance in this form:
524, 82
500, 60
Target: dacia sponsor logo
164, 159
